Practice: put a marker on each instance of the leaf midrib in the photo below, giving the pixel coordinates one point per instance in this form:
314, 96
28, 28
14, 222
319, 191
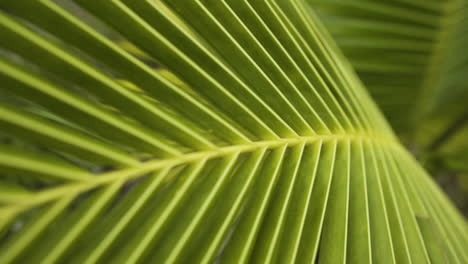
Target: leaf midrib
129, 173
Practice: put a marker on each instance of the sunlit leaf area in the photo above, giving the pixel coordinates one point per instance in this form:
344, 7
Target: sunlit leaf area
233, 131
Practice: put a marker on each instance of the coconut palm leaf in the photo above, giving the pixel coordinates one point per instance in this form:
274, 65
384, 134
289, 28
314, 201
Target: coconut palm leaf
410, 54
247, 138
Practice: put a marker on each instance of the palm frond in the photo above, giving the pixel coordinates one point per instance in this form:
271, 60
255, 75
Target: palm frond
410, 54
248, 138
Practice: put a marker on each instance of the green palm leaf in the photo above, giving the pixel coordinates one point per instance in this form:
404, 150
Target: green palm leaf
410, 54
251, 141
